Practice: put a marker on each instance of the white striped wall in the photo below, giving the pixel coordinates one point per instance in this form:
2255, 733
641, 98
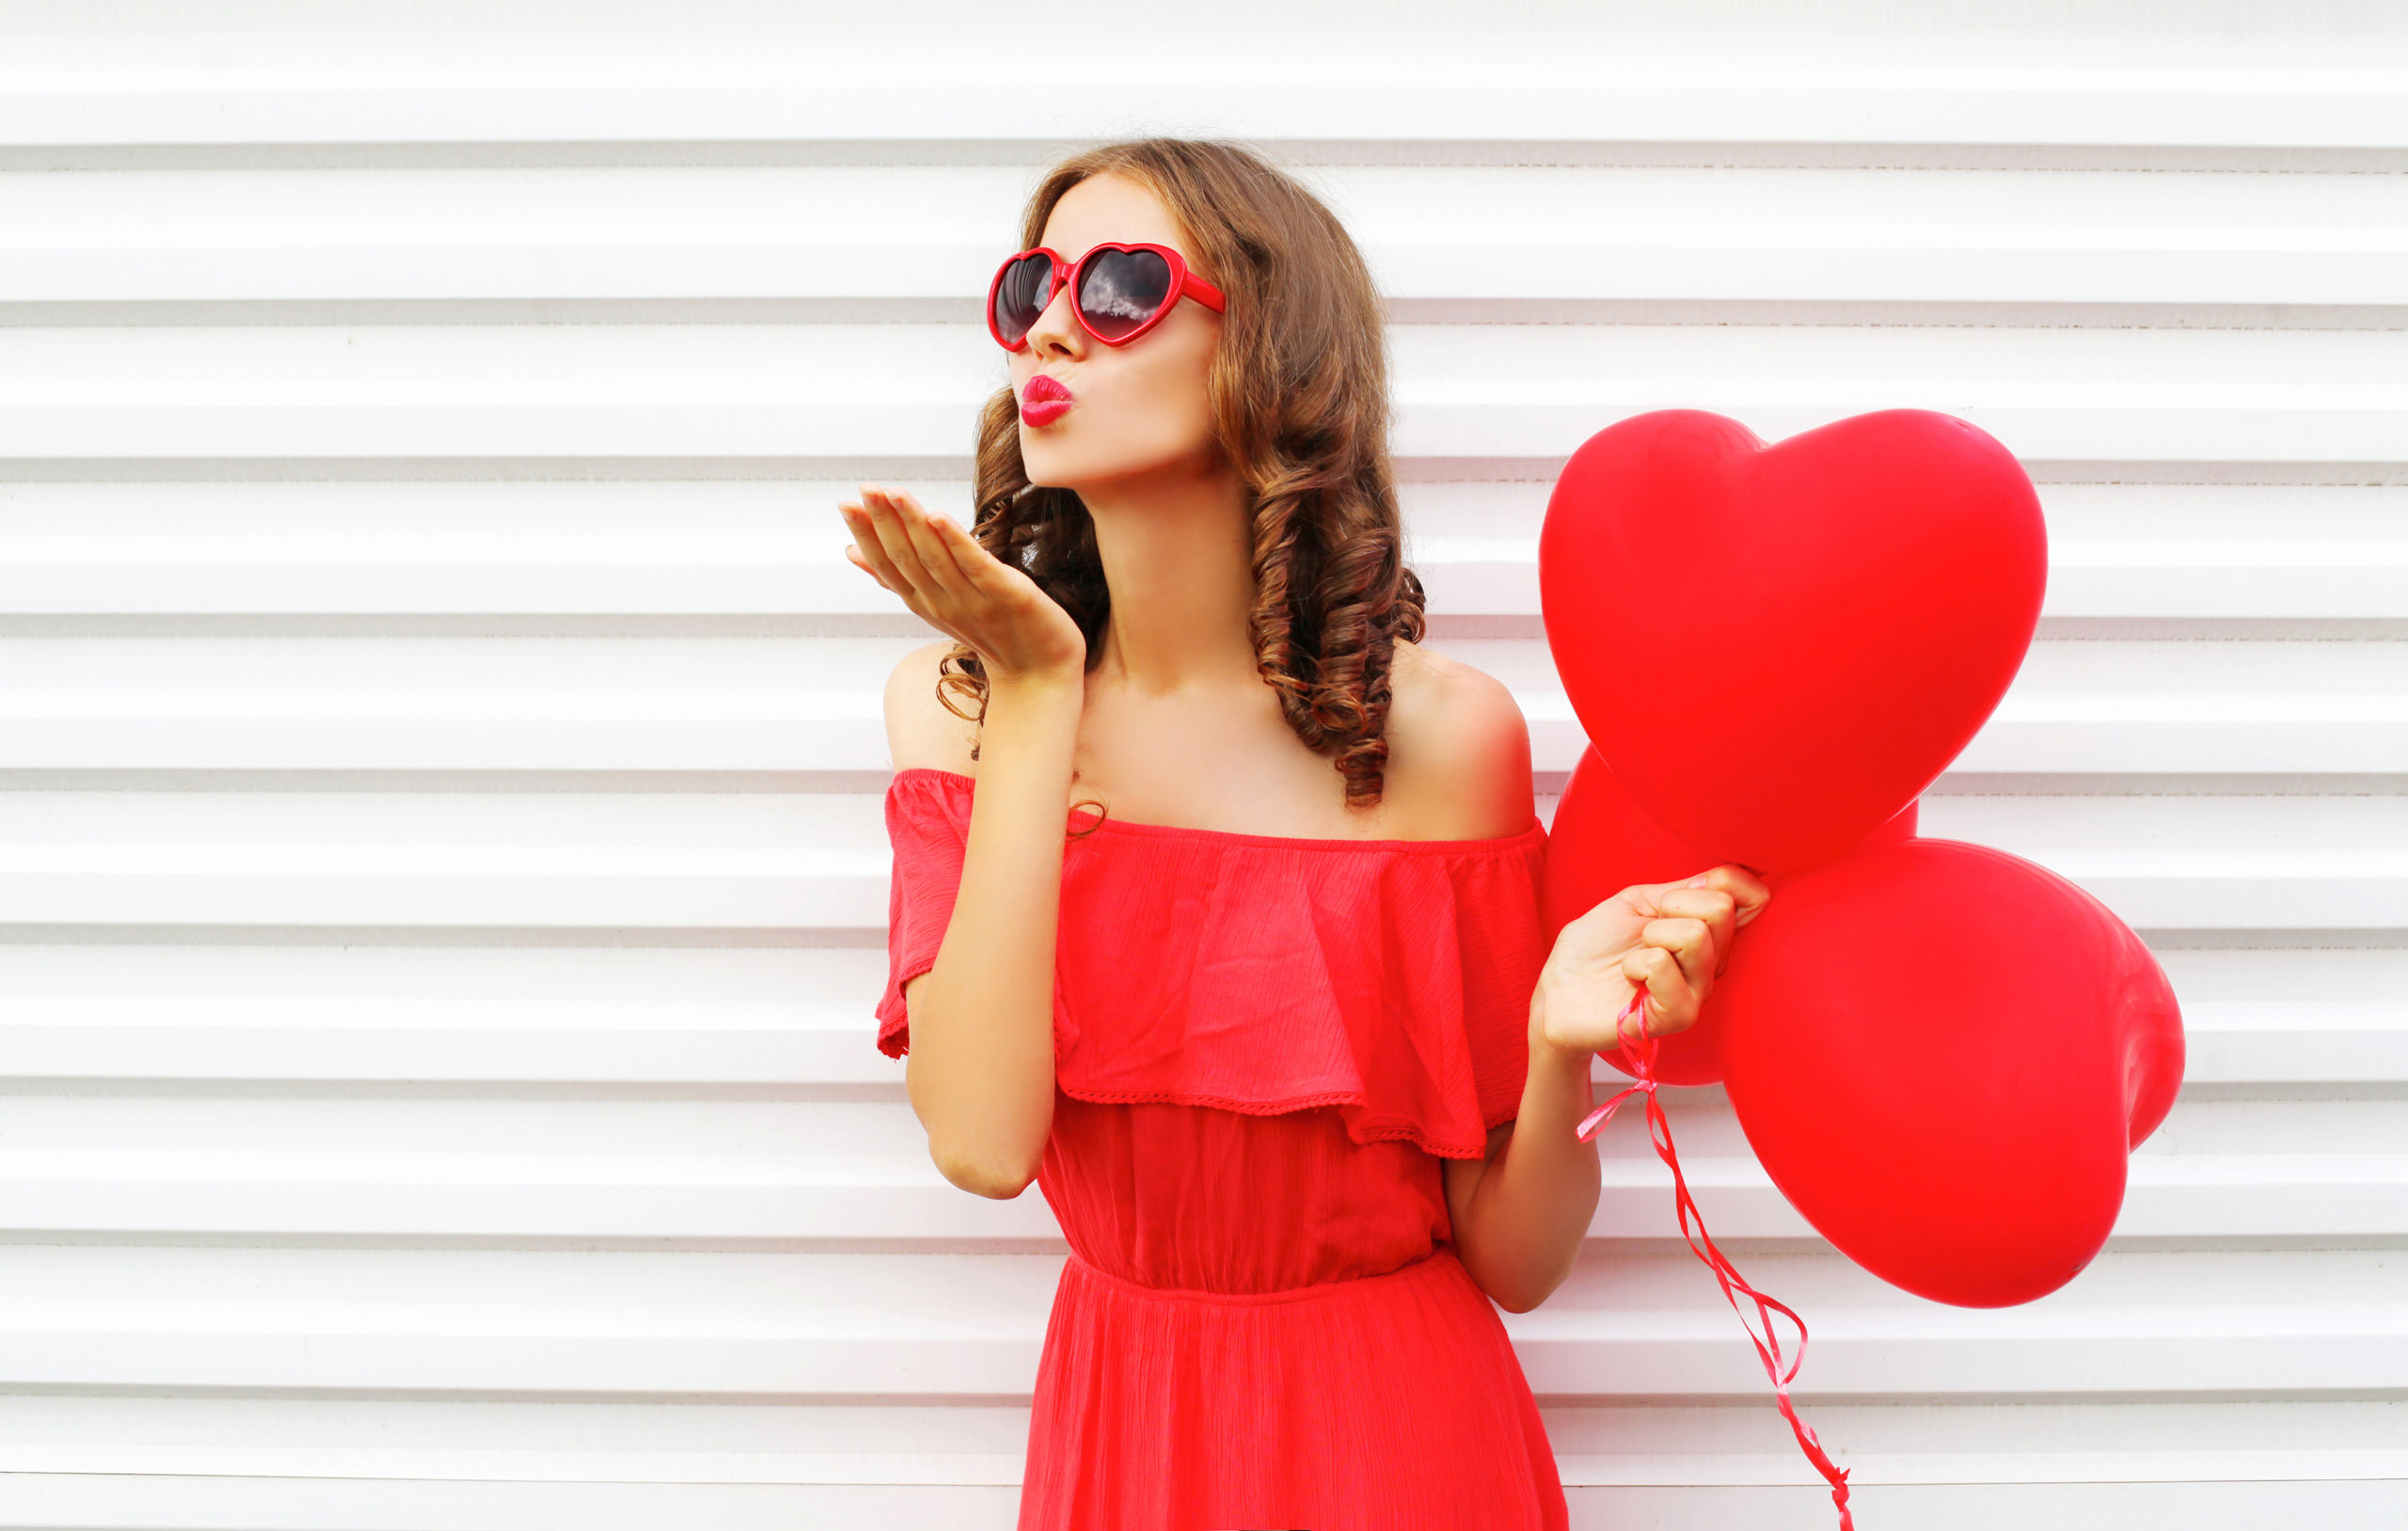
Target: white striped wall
441, 875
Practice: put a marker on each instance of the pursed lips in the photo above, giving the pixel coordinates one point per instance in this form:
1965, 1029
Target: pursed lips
1044, 401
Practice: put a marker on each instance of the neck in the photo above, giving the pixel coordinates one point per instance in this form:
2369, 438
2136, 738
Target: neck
1178, 556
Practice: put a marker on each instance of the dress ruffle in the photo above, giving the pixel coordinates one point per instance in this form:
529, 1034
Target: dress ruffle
1389, 978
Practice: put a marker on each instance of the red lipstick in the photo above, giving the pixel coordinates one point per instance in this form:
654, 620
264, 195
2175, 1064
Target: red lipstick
1044, 401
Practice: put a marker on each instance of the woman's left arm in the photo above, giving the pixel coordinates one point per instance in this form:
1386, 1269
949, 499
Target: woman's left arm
1520, 1214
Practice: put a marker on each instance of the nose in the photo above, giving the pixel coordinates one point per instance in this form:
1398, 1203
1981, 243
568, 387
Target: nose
1057, 332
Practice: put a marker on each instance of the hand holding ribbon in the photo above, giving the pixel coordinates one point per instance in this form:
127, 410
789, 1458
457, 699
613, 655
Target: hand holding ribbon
1662, 943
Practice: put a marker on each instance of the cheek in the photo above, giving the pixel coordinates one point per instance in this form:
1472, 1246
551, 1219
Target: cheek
1151, 413
1176, 392
1141, 409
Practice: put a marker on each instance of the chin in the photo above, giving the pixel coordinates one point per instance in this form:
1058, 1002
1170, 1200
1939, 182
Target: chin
1057, 470
1058, 467
1042, 470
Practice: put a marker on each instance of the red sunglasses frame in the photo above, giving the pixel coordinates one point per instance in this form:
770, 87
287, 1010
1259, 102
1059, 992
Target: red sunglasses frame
1061, 274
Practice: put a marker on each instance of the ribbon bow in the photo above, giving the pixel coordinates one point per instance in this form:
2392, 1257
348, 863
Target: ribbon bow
1641, 1049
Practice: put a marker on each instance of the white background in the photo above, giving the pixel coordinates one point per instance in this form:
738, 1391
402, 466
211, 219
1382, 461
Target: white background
440, 859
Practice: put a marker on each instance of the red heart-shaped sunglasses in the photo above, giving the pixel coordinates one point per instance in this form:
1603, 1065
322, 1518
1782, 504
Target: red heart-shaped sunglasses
1118, 291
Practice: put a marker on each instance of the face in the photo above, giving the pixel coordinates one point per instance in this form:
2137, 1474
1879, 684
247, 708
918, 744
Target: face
1139, 409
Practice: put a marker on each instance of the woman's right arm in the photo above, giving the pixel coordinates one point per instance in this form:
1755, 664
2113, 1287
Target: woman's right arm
980, 1071
980, 1068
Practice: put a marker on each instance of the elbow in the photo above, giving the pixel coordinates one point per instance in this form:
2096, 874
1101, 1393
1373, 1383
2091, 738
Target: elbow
1532, 1294
1506, 1293
985, 1177
1522, 1299
1518, 1299
1525, 1300
1519, 1291
998, 1188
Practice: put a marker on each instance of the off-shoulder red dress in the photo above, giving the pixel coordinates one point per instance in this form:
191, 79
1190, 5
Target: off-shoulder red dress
1263, 1047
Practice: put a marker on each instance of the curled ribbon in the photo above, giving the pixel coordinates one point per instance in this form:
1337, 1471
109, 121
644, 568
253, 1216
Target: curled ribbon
1640, 1050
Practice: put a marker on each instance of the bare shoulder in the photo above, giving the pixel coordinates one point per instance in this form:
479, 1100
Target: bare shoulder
1459, 749
920, 730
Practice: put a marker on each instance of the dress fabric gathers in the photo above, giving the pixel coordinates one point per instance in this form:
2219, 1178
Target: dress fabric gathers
1263, 1048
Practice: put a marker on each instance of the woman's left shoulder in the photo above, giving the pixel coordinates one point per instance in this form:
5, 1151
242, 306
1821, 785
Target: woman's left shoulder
1459, 749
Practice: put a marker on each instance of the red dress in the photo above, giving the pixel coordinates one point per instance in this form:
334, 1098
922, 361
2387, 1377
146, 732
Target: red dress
1263, 1045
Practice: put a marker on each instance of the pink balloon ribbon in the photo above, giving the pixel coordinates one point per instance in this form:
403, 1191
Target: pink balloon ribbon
1641, 1049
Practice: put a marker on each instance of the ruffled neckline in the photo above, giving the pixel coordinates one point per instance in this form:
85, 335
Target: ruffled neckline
1490, 845
1261, 974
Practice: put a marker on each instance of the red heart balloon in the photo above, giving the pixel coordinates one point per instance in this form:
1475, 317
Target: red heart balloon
1601, 842
1778, 648
1944, 1056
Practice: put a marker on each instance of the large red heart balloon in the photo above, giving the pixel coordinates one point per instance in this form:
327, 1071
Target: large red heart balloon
1944, 1056
1778, 648
1601, 842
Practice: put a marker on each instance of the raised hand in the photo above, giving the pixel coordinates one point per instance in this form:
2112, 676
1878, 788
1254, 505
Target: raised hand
1671, 939
961, 590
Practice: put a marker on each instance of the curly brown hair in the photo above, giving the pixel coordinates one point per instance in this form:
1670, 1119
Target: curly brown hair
1298, 391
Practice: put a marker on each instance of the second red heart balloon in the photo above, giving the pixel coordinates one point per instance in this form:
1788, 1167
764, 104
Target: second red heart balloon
1778, 648
1943, 1055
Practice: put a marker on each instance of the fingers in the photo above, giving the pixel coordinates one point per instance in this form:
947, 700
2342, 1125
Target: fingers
1749, 892
965, 577
958, 548
872, 538
1687, 943
926, 542
894, 519
1690, 942
977, 567
1672, 1005
913, 552
1711, 908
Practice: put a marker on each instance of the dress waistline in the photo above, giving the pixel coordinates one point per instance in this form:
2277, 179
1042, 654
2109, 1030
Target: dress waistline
1435, 1264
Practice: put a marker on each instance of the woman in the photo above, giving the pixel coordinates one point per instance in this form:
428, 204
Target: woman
1264, 1025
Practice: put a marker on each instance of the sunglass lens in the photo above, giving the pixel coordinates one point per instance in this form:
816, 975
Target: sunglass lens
1019, 297
1120, 289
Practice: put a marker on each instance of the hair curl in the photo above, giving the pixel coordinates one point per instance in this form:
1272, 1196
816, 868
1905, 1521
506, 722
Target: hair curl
1298, 394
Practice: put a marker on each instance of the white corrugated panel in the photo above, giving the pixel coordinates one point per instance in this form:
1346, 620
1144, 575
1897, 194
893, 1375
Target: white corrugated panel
441, 861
